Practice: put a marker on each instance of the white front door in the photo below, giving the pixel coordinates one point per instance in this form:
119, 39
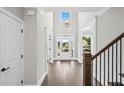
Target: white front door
10, 43
65, 51
64, 46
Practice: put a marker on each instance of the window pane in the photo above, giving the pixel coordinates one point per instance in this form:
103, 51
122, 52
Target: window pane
65, 16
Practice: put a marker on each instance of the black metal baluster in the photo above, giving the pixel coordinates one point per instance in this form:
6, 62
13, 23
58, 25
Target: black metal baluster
112, 65
100, 69
116, 62
104, 68
96, 72
120, 61
108, 66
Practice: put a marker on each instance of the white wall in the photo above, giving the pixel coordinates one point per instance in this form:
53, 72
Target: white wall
109, 26
35, 49
30, 48
59, 28
18, 11
85, 18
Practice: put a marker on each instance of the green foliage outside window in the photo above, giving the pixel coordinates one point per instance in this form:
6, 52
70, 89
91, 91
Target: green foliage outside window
86, 44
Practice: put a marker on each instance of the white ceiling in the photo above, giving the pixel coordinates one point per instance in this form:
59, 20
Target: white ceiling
75, 9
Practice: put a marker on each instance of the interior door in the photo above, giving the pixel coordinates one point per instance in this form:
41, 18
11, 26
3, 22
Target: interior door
10, 40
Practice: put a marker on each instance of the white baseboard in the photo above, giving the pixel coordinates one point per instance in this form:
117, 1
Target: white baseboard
41, 79
80, 61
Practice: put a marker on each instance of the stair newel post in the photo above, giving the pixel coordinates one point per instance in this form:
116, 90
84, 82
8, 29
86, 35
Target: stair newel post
87, 69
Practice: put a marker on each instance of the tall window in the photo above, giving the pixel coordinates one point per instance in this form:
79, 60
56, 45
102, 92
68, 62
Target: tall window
65, 18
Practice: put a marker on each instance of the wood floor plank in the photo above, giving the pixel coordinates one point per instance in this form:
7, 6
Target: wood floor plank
65, 73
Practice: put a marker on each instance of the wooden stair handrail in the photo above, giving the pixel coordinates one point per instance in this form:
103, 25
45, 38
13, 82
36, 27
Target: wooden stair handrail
108, 45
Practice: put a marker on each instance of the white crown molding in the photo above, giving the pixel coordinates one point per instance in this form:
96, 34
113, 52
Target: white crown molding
102, 11
6, 12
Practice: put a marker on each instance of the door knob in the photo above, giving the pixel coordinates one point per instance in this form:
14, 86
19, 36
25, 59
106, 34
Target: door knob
4, 69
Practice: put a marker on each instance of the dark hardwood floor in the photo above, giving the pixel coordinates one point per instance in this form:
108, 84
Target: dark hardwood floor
64, 73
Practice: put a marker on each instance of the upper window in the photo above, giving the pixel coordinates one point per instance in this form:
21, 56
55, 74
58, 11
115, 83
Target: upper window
65, 16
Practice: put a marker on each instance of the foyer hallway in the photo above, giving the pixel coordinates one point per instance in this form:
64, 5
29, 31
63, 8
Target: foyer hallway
64, 73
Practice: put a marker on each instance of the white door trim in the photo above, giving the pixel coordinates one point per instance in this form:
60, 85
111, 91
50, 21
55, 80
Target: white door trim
6, 12
22, 51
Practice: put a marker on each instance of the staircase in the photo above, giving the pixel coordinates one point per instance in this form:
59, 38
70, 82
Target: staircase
105, 68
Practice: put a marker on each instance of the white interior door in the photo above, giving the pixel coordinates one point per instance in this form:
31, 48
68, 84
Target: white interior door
10, 47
